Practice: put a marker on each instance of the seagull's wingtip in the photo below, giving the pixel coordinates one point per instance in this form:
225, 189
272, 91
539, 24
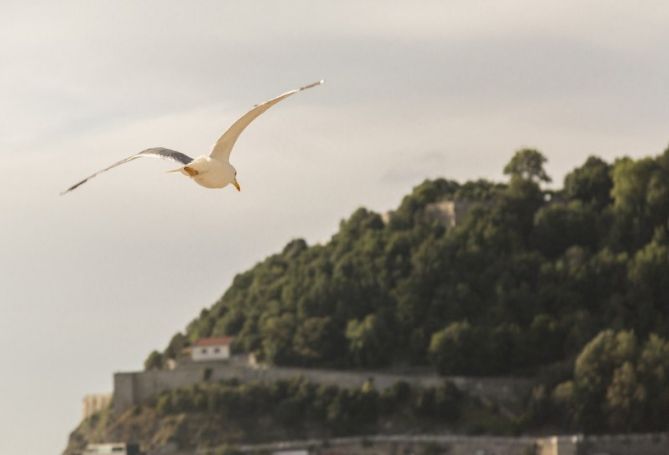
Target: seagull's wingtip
322, 81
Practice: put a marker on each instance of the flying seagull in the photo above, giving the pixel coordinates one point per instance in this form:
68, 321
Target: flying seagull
213, 170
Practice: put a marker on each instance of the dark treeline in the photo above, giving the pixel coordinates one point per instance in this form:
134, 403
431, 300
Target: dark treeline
527, 278
619, 385
298, 408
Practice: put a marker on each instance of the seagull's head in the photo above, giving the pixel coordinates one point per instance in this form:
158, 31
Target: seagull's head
235, 183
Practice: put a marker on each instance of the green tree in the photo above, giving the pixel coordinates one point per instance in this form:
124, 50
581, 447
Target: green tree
625, 399
527, 164
647, 272
640, 198
176, 345
154, 361
369, 341
617, 385
593, 373
591, 183
459, 349
560, 226
653, 373
318, 341
516, 211
277, 338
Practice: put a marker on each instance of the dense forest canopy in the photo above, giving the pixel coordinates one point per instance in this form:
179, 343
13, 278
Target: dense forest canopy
525, 278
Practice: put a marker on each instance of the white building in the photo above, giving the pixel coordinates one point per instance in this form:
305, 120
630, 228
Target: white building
115, 448
208, 349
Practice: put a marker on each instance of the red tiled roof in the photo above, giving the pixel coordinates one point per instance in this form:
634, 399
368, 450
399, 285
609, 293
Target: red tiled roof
216, 341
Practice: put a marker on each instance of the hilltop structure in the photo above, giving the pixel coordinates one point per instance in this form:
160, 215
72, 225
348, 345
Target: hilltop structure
94, 403
448, 212
211, 349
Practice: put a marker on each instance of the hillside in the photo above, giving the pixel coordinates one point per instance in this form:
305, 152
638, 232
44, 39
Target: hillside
519, 283
526, 281
229, 413
525, 278
567, 286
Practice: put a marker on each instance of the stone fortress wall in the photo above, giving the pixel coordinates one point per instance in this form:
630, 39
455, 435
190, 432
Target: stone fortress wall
133, 388
94, 403
403, 444
633, 444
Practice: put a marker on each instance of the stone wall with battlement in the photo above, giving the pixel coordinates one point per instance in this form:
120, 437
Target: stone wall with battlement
652, 444
135, 387
625, 444
403, 444
94, 403
637, 444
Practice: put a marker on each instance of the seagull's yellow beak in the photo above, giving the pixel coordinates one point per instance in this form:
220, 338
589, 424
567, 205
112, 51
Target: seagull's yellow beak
235, 183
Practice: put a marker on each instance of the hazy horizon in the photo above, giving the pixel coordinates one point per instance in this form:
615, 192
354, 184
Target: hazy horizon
95, 280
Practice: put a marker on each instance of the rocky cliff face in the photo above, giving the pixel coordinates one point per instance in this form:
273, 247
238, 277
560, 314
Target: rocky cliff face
152, 431
214, 414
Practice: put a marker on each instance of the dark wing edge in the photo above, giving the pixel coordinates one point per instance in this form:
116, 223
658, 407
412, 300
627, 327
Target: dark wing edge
158, 152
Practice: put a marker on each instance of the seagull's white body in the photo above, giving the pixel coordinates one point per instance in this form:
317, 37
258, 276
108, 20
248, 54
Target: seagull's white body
213, 170
210, 172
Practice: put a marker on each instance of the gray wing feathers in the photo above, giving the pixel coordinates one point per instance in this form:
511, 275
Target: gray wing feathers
158, 152
167, 154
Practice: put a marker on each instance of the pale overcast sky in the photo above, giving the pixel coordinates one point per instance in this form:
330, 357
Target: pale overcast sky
93, 281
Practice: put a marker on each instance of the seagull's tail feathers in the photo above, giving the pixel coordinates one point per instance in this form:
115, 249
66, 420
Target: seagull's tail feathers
186, 170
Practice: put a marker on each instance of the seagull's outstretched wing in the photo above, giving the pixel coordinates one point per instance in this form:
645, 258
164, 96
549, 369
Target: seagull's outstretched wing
223, 147
157, 152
